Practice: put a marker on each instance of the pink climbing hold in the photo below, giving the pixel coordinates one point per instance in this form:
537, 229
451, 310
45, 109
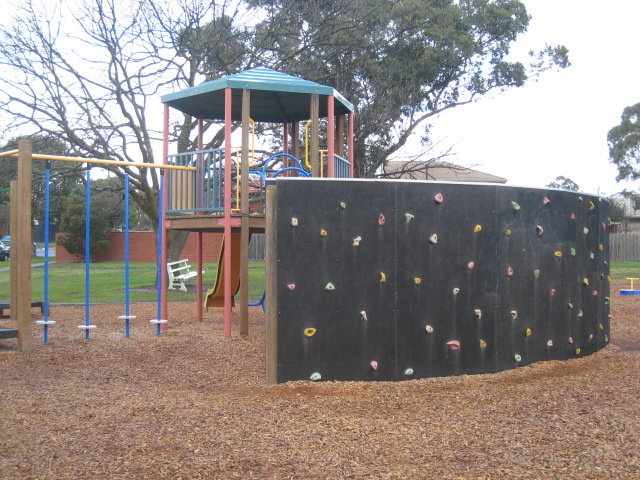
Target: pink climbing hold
454, 345
572, 216
291, 286
595, 293
570, 340
381, 220
509, 271
374, 365
439, 198
470, 265
546, 201
552, 292
603, 226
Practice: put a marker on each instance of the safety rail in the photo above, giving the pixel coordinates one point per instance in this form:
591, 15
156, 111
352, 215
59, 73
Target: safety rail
341, 167
196, 191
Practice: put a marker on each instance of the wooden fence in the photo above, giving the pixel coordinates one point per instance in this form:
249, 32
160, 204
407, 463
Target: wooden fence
257, 247
624, 247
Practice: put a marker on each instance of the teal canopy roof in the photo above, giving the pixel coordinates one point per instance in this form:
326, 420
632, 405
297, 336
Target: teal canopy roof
275, 97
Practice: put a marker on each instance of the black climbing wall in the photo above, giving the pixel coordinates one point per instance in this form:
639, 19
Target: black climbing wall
392, 280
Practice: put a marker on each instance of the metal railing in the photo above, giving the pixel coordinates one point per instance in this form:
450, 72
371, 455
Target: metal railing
341, 167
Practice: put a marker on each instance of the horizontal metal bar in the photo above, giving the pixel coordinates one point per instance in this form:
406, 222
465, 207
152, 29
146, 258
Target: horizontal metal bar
97, 161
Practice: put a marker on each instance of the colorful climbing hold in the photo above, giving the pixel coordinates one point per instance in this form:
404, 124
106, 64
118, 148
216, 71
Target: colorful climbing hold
580, 199
309, 332
572, 216
381, 220
607, 300
294, 222
592, 255
585, 282
578, 351
600, 326
456, 291
323, 232
330, 287
291, 286
603, 226
383, 277
433, 238
363, 315
356, 241
374, 365
515, 206
343, 205
438, 198
536, 274
509, 271
417, 280
539, 230
483, 344
570, 340
591, 205
315, 377
600, 247
514, 314
550, 343
478, 313
552, 292
477, 229
546, 201
573, 252
591, 337
580, 314
507, 232
528, 332
585, 230
470, 265
558, 254
428, 329
606, 338
594, 293
454, 345
517, 358
408, 217
408, 371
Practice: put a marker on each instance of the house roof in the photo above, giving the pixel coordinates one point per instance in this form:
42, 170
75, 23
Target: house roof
275, 97
437, 171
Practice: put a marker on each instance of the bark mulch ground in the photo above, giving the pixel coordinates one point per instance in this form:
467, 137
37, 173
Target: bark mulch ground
190, 404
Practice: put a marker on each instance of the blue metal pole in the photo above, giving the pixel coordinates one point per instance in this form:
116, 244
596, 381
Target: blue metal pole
87, 253
47, 176
159, 249
126, 252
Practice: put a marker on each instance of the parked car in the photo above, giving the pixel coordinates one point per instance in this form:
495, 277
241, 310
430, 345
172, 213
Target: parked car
4, 252
7, 243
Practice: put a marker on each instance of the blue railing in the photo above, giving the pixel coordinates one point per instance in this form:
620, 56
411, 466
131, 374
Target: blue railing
200, 191
341, 167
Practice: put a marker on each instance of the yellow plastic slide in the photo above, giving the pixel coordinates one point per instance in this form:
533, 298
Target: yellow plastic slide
215, 296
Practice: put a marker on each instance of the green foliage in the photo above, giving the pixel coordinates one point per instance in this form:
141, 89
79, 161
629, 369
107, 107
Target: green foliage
564, 183
106, 214
624, 144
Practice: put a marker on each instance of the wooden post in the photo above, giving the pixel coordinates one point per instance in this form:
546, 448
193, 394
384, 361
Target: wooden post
271, 297
295, 142
340, 136
314, 158
13, 267
244, 208
23, 244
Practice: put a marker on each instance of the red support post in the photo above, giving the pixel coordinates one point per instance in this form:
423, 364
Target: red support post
331, 134
227, 213
350, 142
164, 284
199, 186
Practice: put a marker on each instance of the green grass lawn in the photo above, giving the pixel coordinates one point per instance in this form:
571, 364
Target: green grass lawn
67, 282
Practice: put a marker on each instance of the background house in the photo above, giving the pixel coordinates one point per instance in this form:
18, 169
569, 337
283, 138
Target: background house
436, 171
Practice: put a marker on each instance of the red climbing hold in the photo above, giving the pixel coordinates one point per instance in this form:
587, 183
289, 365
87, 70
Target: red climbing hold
454, 345
509, 271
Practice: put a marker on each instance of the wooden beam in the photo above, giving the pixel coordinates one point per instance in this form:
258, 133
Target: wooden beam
340, 136
314, 139
295, 141
271, 298
244, 208
23, 244
13, 267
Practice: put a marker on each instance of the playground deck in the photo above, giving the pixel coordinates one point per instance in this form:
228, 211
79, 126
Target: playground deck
213, 223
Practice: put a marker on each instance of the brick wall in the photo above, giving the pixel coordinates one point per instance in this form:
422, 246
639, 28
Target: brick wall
142, 248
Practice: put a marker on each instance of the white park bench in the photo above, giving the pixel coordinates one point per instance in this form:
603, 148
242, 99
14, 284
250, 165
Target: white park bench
179, 272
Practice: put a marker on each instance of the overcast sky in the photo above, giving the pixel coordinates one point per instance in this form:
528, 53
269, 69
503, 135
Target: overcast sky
558, 126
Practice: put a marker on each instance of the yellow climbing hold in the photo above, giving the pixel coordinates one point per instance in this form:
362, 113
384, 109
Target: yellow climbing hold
383, 277
601, 326
585, 282
417, 281
578, 351
601, 247
477, 228
323, 233
483, 344
591, 206
528, 332
508, 232
558, 254
309, 332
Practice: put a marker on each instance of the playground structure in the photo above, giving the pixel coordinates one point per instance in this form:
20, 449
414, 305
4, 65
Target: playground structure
399, 280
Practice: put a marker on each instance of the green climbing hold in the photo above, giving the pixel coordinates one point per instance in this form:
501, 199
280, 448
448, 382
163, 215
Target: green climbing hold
515, 206
580, 199
579, 313
408, 371
343, 205
456, 291
315, 377
607, 300
573, 252
517, 358
330, 287
408, 217
536, 274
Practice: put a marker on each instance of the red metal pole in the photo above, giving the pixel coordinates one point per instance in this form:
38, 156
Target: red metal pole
199, 187
331, 141
164, 284
227, 213
350, 142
